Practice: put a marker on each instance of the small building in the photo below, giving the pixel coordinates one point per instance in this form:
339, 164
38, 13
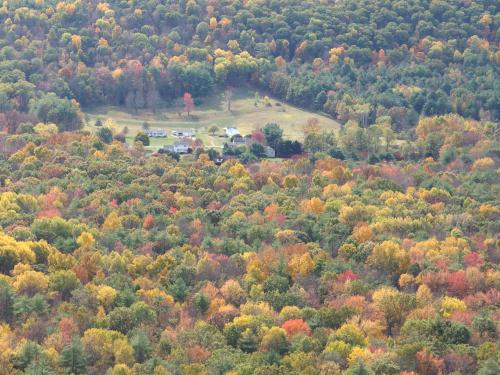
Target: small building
179, 147
184, 133
231, 132
156, 133
238, 140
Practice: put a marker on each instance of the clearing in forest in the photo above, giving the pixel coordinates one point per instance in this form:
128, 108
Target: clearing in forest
245, 116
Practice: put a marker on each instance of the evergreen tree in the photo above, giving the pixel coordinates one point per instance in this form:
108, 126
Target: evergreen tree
73, 358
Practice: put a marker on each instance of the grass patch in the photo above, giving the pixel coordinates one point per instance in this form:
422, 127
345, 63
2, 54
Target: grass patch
244, 116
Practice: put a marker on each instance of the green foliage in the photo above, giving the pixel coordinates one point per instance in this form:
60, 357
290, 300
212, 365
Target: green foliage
73, 358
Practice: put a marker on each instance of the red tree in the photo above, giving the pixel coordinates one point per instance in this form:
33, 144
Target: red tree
258, 136
294, 326
429, 364
149, 221
457, 283
188, 102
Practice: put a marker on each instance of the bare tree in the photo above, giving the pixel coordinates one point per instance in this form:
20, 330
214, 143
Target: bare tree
228, 96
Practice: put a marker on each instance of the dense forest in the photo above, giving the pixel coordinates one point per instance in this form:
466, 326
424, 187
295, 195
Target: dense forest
350, 59
113, 262
372, 250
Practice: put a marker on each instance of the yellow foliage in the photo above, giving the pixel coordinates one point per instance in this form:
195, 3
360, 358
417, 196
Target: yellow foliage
450, 304
291, 181
45, 129
213, 23
225, 22
313, 205
300, 265
362, 233
112, 222
31, 282
358, 353
76, 41
121, 369
390, 257
483, 164
103, 42
106, 295
406, 280
13, 252
381, 294
86, 240
290, 312
238, 170
117, 73
123, 352
233, 45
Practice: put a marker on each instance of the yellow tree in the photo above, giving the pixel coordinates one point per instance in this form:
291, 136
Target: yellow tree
390, 257
112, 222
76, 41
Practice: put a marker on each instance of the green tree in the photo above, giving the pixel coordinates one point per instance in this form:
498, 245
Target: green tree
143, 138
105, 135
489, 367
141, 344
273, 134
202, 302
73, 358
62, 112
6, 301
63, 282
213, 129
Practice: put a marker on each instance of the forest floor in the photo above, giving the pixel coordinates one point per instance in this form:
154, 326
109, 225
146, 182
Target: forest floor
244, 116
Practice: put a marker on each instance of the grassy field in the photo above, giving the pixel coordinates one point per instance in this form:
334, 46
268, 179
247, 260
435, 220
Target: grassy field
244, 116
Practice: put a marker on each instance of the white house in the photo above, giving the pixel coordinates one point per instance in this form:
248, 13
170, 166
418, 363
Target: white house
181, 133
231, 132
156, 133
179, 147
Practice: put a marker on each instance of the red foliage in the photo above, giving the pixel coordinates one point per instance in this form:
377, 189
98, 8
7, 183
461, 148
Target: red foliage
459, 363
197, 354
68, 329
347, 276
294, 326
113, 203
436, 281
473, 260
172, 210
214, 205
147, 248
442, 264
149, 221
394, 173
188, 102
464, 317
49, 212
429, 364
479, 300
82, 274
457, 283
258, 136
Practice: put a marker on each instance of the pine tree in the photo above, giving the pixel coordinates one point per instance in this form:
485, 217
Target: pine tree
73, 358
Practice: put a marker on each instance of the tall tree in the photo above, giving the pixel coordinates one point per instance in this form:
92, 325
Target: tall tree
188, 102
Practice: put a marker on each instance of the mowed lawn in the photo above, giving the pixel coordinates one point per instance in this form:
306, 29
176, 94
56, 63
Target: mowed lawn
244, 116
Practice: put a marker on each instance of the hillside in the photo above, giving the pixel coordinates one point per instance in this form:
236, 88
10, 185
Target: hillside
335, 210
